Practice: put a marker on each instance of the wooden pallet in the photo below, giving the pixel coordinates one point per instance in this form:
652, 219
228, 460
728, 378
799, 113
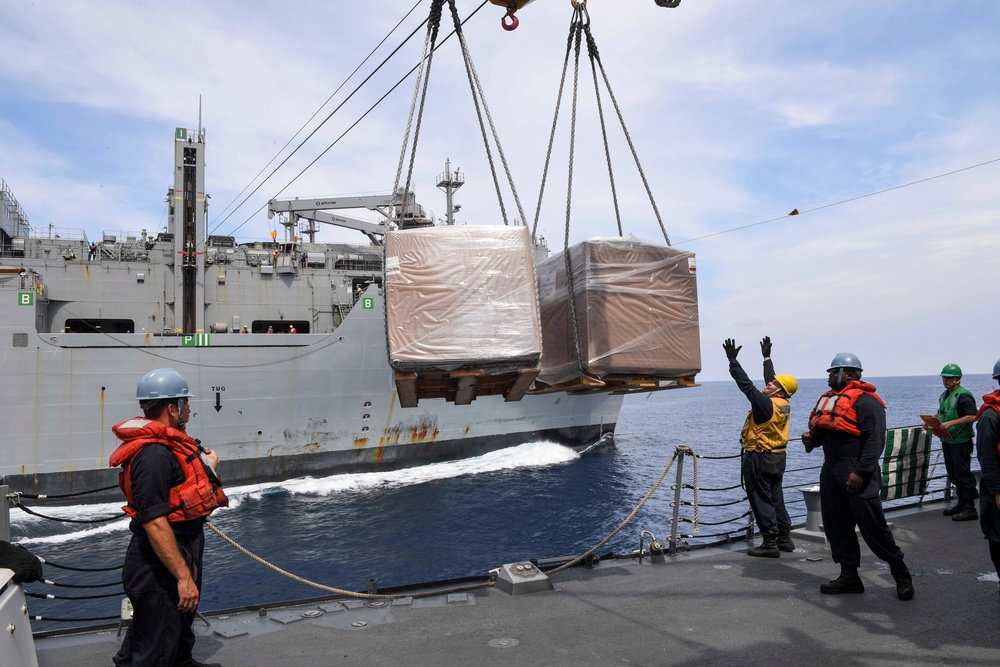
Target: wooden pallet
616, 384
462, 386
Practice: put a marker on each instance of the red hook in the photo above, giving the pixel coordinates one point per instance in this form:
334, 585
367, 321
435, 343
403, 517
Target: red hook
513, 20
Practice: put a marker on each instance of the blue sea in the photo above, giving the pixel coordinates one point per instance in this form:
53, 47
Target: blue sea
464, 518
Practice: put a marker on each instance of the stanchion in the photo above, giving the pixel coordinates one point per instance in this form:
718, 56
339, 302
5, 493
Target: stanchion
4, 513
677, 505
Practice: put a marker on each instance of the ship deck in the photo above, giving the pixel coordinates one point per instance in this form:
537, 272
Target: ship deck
712, 606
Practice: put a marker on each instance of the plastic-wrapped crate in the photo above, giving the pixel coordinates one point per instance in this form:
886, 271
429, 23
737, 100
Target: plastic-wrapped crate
462, 297
636, 307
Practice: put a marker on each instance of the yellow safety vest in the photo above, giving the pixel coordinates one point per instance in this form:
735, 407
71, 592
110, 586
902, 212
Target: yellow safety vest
772, 435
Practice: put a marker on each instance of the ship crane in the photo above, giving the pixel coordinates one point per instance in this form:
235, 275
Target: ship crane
316, 210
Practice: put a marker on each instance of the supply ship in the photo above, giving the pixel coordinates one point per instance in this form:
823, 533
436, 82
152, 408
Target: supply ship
81, 320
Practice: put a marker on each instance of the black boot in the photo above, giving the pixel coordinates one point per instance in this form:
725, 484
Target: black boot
952, 510
966, 512
767, 549
847, 582
194, 662
784, 541
904, 582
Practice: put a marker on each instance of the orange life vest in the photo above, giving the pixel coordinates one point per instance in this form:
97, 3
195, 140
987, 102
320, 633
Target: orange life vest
835, 409
991, 400
201, 491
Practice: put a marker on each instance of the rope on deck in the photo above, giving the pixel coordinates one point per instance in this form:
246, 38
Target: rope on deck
681, 450
341, 591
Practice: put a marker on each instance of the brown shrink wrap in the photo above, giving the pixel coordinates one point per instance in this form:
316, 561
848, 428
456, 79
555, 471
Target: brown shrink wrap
637, 308
462, 297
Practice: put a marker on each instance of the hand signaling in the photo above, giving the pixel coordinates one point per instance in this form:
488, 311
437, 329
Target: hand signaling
731, 350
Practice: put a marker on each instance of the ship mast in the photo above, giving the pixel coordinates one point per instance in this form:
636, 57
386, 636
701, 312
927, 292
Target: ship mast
187, 223
450, 181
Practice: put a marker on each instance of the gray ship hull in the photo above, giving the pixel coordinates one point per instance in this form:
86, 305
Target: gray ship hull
272, 406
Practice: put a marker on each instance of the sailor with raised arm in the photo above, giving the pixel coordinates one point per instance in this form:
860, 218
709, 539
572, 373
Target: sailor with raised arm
764, 439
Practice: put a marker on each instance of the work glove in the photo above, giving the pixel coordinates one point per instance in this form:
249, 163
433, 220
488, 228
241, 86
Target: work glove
731, 350
765, 346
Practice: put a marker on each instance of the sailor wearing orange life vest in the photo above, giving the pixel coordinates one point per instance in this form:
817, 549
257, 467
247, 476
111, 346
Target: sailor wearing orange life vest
988, 451
848, 422
170, 490
764, 438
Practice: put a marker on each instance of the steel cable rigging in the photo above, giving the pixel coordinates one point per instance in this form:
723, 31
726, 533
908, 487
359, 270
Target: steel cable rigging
315, 113
345, 132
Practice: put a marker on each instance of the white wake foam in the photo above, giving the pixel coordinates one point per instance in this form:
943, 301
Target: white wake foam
529, 455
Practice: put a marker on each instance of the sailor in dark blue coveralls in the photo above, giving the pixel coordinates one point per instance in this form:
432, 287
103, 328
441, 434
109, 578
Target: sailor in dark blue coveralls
163, 565
988, 449
764, 439
848, 422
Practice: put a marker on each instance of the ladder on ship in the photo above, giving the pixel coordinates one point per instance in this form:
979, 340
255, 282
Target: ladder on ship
343, 309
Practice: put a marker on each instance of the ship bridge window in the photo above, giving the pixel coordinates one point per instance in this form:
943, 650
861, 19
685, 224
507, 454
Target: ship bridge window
280, 326
99, 325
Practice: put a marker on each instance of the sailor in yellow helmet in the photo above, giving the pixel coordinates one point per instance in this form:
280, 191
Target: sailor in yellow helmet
764, 439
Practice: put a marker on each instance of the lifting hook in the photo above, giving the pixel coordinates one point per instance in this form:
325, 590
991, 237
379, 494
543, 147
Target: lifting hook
511, 8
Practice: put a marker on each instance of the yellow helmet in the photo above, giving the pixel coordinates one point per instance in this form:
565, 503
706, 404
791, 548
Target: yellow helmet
788, 383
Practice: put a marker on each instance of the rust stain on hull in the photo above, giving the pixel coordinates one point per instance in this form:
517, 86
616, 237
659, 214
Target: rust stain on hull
423, 431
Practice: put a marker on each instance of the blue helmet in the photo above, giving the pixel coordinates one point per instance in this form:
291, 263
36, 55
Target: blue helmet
845, 360
162, 383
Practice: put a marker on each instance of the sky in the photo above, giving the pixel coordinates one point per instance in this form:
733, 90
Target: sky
739, 112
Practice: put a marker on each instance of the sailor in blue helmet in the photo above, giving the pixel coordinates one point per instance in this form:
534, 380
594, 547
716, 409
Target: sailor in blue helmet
170, 490
988, 450
848, 422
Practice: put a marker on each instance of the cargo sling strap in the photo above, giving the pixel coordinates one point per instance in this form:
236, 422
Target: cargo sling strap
580, 26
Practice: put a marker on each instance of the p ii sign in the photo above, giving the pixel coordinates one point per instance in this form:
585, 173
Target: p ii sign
196, 340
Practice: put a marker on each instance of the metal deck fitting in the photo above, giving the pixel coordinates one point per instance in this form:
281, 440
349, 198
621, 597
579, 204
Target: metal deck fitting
522, 578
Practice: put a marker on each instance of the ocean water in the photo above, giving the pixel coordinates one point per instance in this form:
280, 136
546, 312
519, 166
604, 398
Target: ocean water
464, 518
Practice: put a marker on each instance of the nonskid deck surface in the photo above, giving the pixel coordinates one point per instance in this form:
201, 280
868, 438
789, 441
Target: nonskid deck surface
710, 607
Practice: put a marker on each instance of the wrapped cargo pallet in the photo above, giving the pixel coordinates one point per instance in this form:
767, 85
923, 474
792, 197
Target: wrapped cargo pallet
462, 301
636, 307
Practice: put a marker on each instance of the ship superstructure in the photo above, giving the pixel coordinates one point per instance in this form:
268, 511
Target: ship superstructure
83, 319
